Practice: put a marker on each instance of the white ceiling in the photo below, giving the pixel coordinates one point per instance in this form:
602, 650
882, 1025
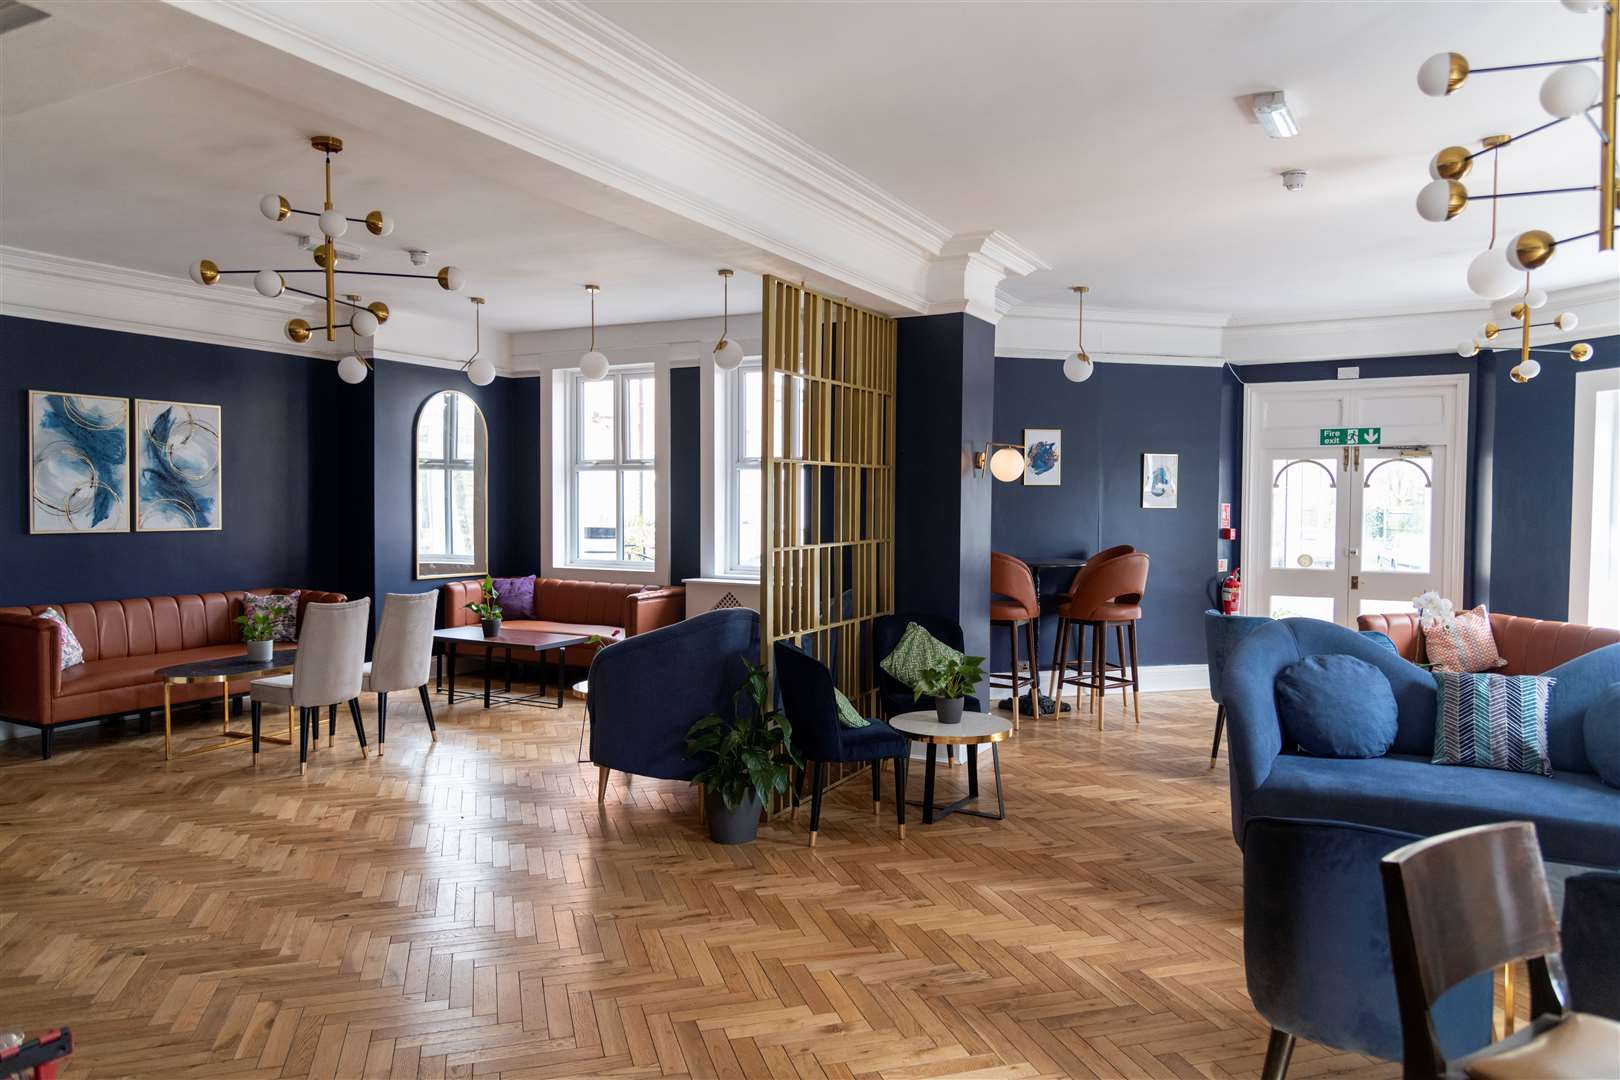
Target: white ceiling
149, 146
1114, 139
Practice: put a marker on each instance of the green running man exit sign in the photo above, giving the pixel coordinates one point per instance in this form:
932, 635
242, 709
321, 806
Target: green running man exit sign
1351, 436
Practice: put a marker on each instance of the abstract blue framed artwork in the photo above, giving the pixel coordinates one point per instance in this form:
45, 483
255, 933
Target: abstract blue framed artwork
1043, 457
177, 466
78, 454
1160, 480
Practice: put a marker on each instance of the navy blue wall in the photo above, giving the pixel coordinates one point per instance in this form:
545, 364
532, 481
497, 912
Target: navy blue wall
1108, 422
685, 474
267, 403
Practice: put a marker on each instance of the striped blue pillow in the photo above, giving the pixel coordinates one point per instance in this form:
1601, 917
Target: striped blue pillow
1491, 721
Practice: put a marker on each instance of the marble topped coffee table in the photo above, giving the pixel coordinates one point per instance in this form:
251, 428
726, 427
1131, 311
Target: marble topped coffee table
976, 728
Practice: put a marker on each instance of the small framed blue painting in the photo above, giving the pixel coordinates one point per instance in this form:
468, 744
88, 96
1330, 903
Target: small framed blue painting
1160, 480
1043, 457
178, 480
78, 463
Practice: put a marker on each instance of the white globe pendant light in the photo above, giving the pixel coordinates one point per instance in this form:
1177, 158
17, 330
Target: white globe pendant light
1078, 368
334, 224
728, 355
593, 365
1536, 299
1007, 464
480, 371
275, 207
363, 323
1567, 321
1442, 74
269, 283
1468, 348
1570, 91
351, 369
1490, 276
1441, 200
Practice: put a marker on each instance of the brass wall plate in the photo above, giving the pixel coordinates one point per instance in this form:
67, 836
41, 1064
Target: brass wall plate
327, 144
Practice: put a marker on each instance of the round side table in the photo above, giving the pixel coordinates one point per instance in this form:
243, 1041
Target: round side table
976, 728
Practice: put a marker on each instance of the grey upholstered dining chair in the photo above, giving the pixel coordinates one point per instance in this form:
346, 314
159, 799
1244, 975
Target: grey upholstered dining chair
327, 671
402, 659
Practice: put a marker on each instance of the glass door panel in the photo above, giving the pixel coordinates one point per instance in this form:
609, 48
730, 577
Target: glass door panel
1305, 575
1395, 538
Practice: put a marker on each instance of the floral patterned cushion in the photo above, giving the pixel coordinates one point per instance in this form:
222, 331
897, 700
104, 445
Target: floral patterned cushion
282, 609
72, 651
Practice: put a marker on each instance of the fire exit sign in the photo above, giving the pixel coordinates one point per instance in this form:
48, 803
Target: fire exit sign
1351, 436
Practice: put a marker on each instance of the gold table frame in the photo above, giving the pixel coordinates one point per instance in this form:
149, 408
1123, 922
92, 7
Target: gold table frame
233, 738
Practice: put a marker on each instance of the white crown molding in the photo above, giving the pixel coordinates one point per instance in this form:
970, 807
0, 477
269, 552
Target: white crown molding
641, 135
55, 288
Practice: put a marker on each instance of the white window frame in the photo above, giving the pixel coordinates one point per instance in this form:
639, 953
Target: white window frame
1588, 385
621, 463
737, 460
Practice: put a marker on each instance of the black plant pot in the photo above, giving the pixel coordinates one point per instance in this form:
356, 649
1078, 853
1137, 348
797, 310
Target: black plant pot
732, 826
492, 627
949, 710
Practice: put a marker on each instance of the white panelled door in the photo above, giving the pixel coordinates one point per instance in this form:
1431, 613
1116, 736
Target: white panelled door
1334, 532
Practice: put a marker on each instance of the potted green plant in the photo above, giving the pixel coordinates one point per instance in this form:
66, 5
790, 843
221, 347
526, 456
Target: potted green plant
746, 759
487, 610
948, 683
259, 632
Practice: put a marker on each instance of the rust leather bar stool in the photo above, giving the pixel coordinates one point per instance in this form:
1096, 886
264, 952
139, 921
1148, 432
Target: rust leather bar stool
1014, 604
1108, 596
1061, 650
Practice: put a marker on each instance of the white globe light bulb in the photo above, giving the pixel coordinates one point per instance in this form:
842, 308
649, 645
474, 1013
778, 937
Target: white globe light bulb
1007, 464
1468, 348
363, 322
1530, 368
481, 372
1567, 321
352, 369
379, 223
1078, 368
1490, 276
593, 365
268, 283
274, 207
1502, 310
1434, 77
1570, 91
727, 355
1434, 201
334, 224
1536, 298
198, 271
451, 279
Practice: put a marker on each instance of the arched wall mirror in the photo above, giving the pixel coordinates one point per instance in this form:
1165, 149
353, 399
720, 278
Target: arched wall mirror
452, 490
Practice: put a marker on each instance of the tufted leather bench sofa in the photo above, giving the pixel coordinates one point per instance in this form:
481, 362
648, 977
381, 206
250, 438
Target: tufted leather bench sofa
1530, 646
611, 609
125, 643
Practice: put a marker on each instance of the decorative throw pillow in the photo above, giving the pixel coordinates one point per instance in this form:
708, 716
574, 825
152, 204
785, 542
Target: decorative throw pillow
1603, 735
848, 714
1493, 721
1337, 706
72, 651
515, 595
916, 651
1467, 644
282, 609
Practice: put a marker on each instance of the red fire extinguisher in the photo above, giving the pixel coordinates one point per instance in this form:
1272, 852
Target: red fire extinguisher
1232, 592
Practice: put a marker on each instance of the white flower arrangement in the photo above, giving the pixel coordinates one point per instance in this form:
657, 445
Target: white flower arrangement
1435, 611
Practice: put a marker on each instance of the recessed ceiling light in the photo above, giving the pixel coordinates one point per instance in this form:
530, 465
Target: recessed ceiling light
1272, 111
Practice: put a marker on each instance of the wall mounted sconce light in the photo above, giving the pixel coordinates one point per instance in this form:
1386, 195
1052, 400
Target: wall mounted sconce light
1006, 464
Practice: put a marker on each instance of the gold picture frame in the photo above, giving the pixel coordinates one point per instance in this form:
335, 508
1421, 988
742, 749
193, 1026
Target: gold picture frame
179, 466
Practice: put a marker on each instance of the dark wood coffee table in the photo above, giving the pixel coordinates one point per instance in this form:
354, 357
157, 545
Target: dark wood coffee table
457, 638
222, 670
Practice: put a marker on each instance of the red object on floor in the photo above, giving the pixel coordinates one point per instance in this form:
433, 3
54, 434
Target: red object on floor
38, 1057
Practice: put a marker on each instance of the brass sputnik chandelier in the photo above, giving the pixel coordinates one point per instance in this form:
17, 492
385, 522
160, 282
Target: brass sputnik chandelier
1572, 90
361, 319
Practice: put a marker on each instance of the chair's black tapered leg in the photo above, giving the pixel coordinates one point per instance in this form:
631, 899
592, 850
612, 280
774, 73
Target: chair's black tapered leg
331, 721
1278, 1052
427, 707
382, 720
1220, 722
815, 802
877, 785
359, 728
900, 792
303, 738
258, 714
798, 791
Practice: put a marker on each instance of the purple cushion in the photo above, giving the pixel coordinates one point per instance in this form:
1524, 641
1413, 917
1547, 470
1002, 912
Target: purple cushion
515, 595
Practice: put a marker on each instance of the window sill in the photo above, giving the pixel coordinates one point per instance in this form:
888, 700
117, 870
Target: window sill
727, 579
605, 568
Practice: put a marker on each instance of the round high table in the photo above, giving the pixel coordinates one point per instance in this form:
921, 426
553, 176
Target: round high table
975, 729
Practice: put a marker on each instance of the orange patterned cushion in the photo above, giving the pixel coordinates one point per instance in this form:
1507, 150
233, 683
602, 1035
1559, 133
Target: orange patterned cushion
1467, 645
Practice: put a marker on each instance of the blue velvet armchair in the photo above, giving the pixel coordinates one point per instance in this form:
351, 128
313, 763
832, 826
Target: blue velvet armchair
647, 690
806, 689
887, 630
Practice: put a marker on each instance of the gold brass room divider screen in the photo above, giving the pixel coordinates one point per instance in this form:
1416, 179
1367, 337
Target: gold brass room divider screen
827, 565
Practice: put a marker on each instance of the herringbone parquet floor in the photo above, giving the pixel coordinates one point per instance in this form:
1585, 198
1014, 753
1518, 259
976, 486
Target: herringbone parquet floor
464, 909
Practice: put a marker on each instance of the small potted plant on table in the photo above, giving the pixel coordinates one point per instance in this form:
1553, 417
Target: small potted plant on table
949, 683
748, 759
259, 634
487, 610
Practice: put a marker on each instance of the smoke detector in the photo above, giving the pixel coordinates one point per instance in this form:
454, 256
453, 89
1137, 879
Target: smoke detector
1293, 179
419, 256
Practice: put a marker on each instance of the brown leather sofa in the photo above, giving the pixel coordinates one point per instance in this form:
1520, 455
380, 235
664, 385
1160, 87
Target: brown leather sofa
125, 643
1530, 646
610, 609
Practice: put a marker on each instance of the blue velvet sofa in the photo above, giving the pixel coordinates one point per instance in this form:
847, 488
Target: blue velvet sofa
1577, 816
